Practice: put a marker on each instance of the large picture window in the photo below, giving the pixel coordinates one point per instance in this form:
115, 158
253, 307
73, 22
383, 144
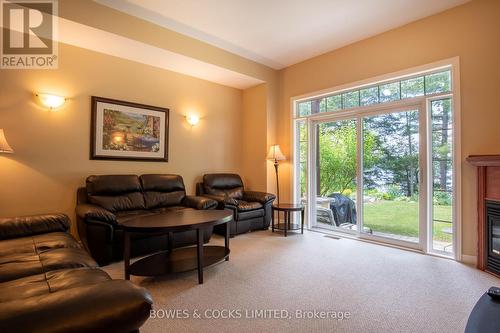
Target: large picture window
378, 161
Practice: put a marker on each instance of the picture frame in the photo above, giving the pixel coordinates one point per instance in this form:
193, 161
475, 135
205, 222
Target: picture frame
128, 131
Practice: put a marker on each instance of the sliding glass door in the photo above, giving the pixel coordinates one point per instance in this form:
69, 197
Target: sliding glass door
391, 175
335, 174
375, 157
442, 175
385, 175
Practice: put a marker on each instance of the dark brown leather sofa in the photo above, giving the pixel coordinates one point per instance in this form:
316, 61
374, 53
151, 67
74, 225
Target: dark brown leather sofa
252, 210
48, 283
108, 201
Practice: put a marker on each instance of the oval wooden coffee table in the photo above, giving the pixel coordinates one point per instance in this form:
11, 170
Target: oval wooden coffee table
181, 259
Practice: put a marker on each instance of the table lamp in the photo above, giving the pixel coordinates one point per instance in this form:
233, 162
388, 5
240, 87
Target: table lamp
276, 155
4, 145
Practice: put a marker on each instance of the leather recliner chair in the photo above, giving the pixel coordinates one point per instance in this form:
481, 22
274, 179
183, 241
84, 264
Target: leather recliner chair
252, 210
108, 201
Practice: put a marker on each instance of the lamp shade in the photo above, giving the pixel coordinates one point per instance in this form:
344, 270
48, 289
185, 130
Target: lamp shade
4, 145
275, 153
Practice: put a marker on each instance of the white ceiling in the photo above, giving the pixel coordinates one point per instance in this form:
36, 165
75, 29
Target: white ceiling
279, 33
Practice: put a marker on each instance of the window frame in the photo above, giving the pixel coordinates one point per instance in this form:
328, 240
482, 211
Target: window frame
376, 82
453, 65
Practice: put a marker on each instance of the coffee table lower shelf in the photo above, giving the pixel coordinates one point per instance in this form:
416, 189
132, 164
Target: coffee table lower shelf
292, 226
177, 261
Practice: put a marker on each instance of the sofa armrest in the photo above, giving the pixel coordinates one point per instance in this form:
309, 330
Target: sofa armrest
261, 197
15, 227
198, 202
222, 200
88, 212
111, 306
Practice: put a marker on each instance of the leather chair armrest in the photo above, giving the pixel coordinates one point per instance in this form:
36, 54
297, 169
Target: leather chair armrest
222, 201
15, 227
88, 212
199, 202
260, 197
104, 225
111, 306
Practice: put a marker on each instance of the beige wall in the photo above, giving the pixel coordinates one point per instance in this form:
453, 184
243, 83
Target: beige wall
254, 116
258, 133
52, 148
471, 31
273, 93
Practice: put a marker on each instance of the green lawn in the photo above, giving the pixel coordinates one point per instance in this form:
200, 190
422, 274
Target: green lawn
401, 218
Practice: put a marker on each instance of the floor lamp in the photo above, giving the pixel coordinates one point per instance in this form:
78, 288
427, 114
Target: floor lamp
276, 155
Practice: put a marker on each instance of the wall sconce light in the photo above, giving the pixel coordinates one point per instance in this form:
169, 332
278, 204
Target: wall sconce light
4, 145
192, 119
51, 101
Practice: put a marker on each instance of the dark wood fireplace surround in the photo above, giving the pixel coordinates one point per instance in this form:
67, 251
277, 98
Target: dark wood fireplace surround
488, 189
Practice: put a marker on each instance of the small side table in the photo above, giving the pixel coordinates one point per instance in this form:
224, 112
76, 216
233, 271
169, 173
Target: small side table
287, 208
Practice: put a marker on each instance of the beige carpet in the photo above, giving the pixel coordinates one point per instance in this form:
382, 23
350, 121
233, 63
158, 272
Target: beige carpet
384, 289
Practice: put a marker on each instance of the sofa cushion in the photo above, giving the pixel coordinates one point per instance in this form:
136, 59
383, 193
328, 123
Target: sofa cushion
17, 227
28, 286
36, 244
26, 264
128, 201
112, 184
223, 184
41, 254
250, 214
162, 183
55, 240
16, 246
115, 192
19, 265
162, 190
66, 258
163, 199
244, 206
109, 306
70, 278
54, 281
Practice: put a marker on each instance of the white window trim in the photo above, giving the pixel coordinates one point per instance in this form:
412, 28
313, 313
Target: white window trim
454, 65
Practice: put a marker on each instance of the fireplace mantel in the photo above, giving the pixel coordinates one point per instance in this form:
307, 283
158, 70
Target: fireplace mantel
488, 189
484, 160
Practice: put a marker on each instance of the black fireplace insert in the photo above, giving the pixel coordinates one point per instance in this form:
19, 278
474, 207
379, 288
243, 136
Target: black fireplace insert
493, 236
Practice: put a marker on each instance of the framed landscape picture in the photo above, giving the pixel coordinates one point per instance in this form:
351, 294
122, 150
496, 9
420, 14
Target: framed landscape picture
128, 131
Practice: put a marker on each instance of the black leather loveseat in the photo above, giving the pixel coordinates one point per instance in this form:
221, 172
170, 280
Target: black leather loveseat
252, 210
48, 283
107, 201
